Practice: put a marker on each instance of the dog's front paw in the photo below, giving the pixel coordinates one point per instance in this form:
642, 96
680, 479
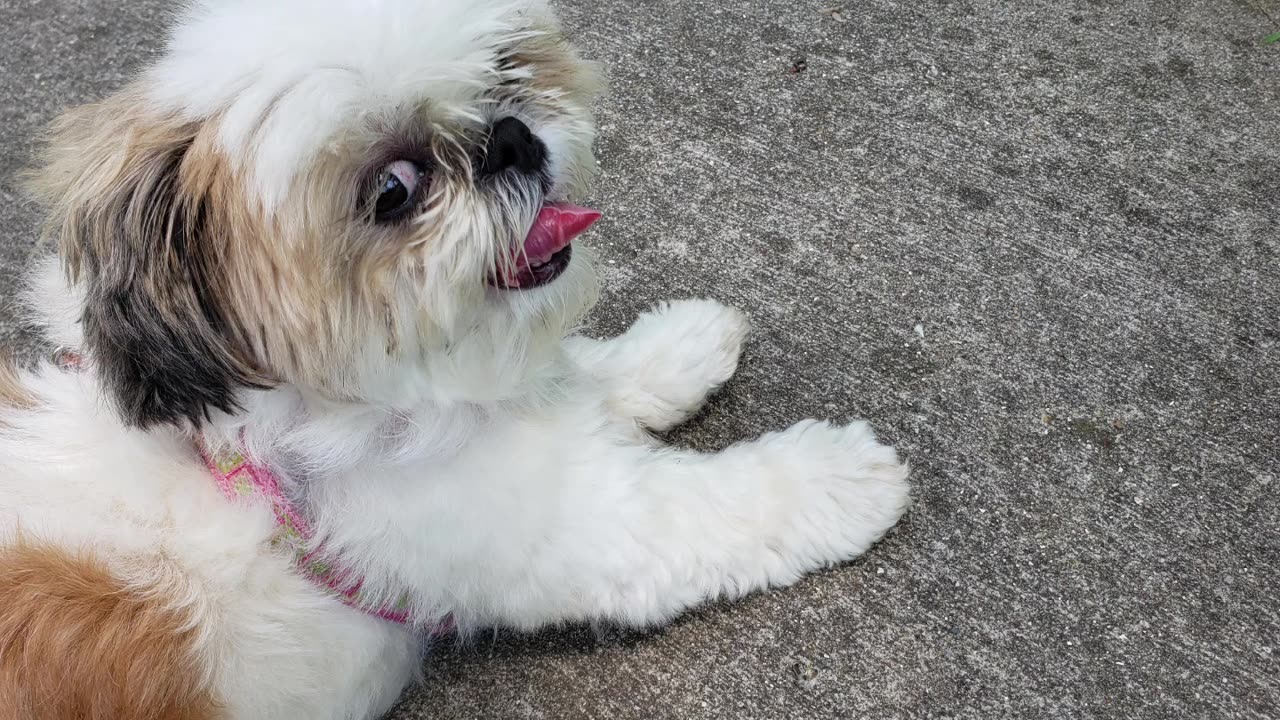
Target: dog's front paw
843, 490
678, 354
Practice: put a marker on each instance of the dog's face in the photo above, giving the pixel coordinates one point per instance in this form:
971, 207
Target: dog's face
363, 197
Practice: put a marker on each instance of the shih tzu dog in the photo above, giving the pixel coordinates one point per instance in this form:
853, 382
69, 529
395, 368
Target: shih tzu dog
319, 397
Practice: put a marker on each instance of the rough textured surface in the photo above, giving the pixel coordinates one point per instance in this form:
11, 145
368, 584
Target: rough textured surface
1034, 242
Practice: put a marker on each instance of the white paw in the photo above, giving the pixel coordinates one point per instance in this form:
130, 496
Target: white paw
673, 358
841, 492
698, 341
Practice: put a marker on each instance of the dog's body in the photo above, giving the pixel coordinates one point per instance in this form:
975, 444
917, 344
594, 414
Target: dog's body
413, 384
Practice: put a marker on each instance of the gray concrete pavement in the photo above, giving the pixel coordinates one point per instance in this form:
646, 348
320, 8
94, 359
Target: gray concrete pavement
1034, 242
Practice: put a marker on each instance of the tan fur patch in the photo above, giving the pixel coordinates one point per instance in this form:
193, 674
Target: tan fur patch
284, 309
556, 66
77, 644
13, 394
132, 202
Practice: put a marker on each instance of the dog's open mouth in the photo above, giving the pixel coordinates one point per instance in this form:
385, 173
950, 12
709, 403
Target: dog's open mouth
547, 248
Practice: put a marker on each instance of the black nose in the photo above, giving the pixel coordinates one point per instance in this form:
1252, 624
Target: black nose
512, 145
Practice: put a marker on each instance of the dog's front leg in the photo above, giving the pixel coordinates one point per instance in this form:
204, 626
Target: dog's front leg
665, 366
636, 535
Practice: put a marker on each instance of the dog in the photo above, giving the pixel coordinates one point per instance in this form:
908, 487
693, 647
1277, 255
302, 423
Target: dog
319, 397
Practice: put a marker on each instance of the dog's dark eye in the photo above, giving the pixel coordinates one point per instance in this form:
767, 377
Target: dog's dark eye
399, 185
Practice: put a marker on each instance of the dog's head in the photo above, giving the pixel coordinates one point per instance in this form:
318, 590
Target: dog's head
362, 197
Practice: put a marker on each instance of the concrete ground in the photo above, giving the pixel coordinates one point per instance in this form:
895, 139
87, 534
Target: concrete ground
1034, 242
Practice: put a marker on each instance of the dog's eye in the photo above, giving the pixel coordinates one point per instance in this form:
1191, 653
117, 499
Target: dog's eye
399, 185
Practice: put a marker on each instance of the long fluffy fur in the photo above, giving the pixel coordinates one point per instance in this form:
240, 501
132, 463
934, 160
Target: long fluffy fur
222, 276
75, 642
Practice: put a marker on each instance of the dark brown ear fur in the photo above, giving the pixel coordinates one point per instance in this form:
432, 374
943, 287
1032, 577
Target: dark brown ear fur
128, 195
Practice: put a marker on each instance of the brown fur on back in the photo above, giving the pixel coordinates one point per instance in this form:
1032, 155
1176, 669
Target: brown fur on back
77, 644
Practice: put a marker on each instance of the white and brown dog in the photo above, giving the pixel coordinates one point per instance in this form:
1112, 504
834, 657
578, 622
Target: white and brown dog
316, 277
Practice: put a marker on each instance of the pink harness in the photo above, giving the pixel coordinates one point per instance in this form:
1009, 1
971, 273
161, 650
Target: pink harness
241, 480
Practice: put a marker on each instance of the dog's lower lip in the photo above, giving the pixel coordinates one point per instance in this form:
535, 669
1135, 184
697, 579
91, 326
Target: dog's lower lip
545, 251
539, 274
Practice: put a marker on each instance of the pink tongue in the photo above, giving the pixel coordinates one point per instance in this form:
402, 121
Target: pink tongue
557, 225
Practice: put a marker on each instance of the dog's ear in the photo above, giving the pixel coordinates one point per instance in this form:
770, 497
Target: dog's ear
129, 204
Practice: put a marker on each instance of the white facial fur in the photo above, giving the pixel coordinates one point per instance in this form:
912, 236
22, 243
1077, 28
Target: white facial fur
285, 87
